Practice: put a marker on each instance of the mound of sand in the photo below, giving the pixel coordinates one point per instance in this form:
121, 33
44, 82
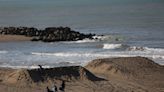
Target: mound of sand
25, 76
3, 72
138, 70
125, 67
20, 76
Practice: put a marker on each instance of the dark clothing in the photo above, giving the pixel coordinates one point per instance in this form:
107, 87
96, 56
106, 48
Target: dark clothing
62, 88
48, 90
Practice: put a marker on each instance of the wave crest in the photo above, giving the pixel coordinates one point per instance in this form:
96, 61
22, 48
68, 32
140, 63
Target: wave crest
112, 46
96, 38
138, 48
85, 41
3, 51
135, 48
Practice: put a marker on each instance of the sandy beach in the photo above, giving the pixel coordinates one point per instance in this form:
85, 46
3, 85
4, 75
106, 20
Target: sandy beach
81, 45
9, 38
131, 74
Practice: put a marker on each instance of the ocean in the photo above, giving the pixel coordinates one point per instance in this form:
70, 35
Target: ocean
130, 28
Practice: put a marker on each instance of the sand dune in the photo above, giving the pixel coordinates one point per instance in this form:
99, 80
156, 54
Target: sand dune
138, 70
36, 76
133, 74
125, 67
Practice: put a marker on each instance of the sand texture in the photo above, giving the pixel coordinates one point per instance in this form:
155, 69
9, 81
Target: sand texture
8, 38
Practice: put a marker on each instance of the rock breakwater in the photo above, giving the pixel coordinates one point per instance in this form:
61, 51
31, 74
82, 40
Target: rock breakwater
49, 34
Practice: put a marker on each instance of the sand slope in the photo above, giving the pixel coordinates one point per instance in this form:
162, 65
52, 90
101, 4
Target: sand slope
35, 76
137, 70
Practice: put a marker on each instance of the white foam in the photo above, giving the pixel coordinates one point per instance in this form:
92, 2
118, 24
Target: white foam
154, 49
138, 48
102, 37
85, 41
90, 56
135, 48
25, 67
82, 58
96, 38
76, 55
81, 41
63, 54
112, 46
3, 51
109, 54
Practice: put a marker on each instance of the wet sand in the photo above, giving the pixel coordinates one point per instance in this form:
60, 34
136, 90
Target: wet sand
9, 38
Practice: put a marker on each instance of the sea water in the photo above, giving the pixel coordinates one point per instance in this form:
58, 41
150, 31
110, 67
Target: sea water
130, 28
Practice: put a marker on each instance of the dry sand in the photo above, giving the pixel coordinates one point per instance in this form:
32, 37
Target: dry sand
138, 71
7, 38
133, 74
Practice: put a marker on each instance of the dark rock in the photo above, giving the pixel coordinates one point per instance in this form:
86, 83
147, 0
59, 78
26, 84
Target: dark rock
49, 34
35, 39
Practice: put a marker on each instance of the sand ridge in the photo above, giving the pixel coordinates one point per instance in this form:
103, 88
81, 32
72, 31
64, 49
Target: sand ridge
137, 70
130, 66
35, 76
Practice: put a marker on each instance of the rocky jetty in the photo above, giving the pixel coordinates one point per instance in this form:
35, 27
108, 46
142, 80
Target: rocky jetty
49, 34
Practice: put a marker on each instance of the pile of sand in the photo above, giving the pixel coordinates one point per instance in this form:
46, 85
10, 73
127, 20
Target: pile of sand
20, 76
138, 70
125, 67
3, 72
35, 76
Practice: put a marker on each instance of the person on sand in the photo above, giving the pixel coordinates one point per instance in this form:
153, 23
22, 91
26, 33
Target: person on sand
48, 90
62, 88
41, 69
54, 88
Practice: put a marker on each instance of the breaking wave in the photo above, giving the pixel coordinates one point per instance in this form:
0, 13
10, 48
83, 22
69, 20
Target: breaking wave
26, 67
3, 51
102, 37
138, 48
112, 46
102, 55
63, 54
96, 38
85, 41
